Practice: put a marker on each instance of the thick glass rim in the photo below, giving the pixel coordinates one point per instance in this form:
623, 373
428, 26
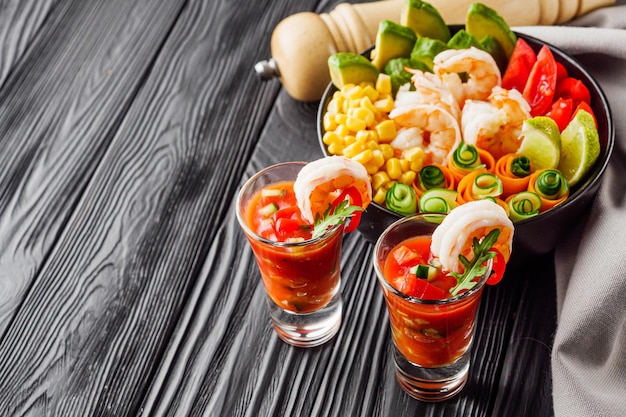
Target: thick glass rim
249, 232
414, 300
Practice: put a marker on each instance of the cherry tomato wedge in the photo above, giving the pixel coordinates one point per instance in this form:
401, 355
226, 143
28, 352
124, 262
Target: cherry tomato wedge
561, 112
497, 269
356, 200
574, 89
561, 72
541, 85
520, 64
585, 106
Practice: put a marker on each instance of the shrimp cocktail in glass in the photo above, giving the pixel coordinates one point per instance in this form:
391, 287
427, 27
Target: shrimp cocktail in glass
432, 269
294, 215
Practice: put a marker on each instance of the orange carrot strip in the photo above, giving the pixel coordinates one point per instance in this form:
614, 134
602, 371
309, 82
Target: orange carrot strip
511, 183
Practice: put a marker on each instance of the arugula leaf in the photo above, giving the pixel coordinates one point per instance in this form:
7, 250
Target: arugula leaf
475, 268
332, 217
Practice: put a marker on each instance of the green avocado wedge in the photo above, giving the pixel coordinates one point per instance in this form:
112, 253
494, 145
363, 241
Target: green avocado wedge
350, 68
424, 19
482, 21
425, 50
392, 41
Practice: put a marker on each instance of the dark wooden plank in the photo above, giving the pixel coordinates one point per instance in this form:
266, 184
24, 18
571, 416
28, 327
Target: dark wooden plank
104, 306
20, 22
58, 112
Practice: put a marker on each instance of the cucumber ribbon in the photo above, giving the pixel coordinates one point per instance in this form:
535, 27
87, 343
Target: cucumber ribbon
401, 198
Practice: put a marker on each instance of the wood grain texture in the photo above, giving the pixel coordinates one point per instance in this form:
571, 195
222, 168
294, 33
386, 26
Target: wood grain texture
126, 286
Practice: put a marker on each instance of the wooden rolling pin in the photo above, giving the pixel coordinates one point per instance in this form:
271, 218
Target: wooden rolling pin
302, 43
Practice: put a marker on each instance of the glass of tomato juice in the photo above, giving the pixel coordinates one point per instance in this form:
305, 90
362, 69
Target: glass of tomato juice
432, 331
301, 275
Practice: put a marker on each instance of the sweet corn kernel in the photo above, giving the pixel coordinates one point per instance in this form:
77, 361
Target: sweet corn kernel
386, 131
387, 151
329, 122
370, 168
355, 124
363, 157
331, 137
393, 168
370, 93
334, 106
379, 196
368, 103
372, 144
383, 83
353, 150
355, 93
340, 118
364, 114
347, 87
384, 104
417, 165
349, 140
377, 158
404, 164
335, 149
363, 135
408, 177
380, 179
342, 131
414, 154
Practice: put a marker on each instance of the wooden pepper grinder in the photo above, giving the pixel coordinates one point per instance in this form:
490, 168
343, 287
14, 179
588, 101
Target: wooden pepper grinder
302, 43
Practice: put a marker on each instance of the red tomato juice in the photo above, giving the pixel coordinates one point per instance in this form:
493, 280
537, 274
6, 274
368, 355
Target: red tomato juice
434, 332
299, 274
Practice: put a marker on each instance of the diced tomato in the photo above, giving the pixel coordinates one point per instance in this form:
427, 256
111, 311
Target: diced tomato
561, 72
561, 112
497, 268
585, 106
520, 64
420, 288
541, 85
406, 257
286, 226
574, 89
289, 212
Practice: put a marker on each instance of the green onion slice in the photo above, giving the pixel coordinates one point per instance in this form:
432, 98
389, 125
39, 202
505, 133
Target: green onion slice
520, 166
401, 198
438, 200
524, 205
487, 185
551, 184
431, 176
466, 157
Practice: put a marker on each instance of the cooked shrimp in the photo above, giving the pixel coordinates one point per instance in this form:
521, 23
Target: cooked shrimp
320, 182
429, 126
478, 68
428, 89
495, 125
475, 219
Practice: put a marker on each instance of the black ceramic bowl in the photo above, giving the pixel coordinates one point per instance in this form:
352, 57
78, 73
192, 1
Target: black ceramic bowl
539, 234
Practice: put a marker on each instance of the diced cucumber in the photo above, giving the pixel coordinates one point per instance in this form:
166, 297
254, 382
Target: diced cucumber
268, 210
273, 192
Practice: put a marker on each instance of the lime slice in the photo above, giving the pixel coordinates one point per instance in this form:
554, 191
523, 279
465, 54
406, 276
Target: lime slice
541, 143
580, 147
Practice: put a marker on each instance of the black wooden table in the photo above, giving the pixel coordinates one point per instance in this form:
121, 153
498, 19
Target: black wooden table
126, 286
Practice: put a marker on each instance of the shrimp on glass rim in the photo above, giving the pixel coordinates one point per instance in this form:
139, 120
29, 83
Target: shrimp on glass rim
321, 182
428, 126
477, 65
495, 125
475, 219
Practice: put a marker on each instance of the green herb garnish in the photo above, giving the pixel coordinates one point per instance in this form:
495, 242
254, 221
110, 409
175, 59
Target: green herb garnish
475, 267
334, 217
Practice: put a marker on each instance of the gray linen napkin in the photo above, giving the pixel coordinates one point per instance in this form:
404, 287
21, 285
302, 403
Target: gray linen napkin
589, 352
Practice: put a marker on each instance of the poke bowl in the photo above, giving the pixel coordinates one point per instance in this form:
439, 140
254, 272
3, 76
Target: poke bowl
540, 233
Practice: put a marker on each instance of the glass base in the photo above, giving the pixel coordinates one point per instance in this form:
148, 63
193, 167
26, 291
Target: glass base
431, 384
309, 329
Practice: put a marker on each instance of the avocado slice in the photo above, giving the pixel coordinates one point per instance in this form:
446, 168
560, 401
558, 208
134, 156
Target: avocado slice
392, 41
424, 19
489, 44
425, 50
463, 40
484, 21
350, 68
396, 69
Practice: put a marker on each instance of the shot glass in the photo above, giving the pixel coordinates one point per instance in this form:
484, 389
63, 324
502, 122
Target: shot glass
431, 338
301, 279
